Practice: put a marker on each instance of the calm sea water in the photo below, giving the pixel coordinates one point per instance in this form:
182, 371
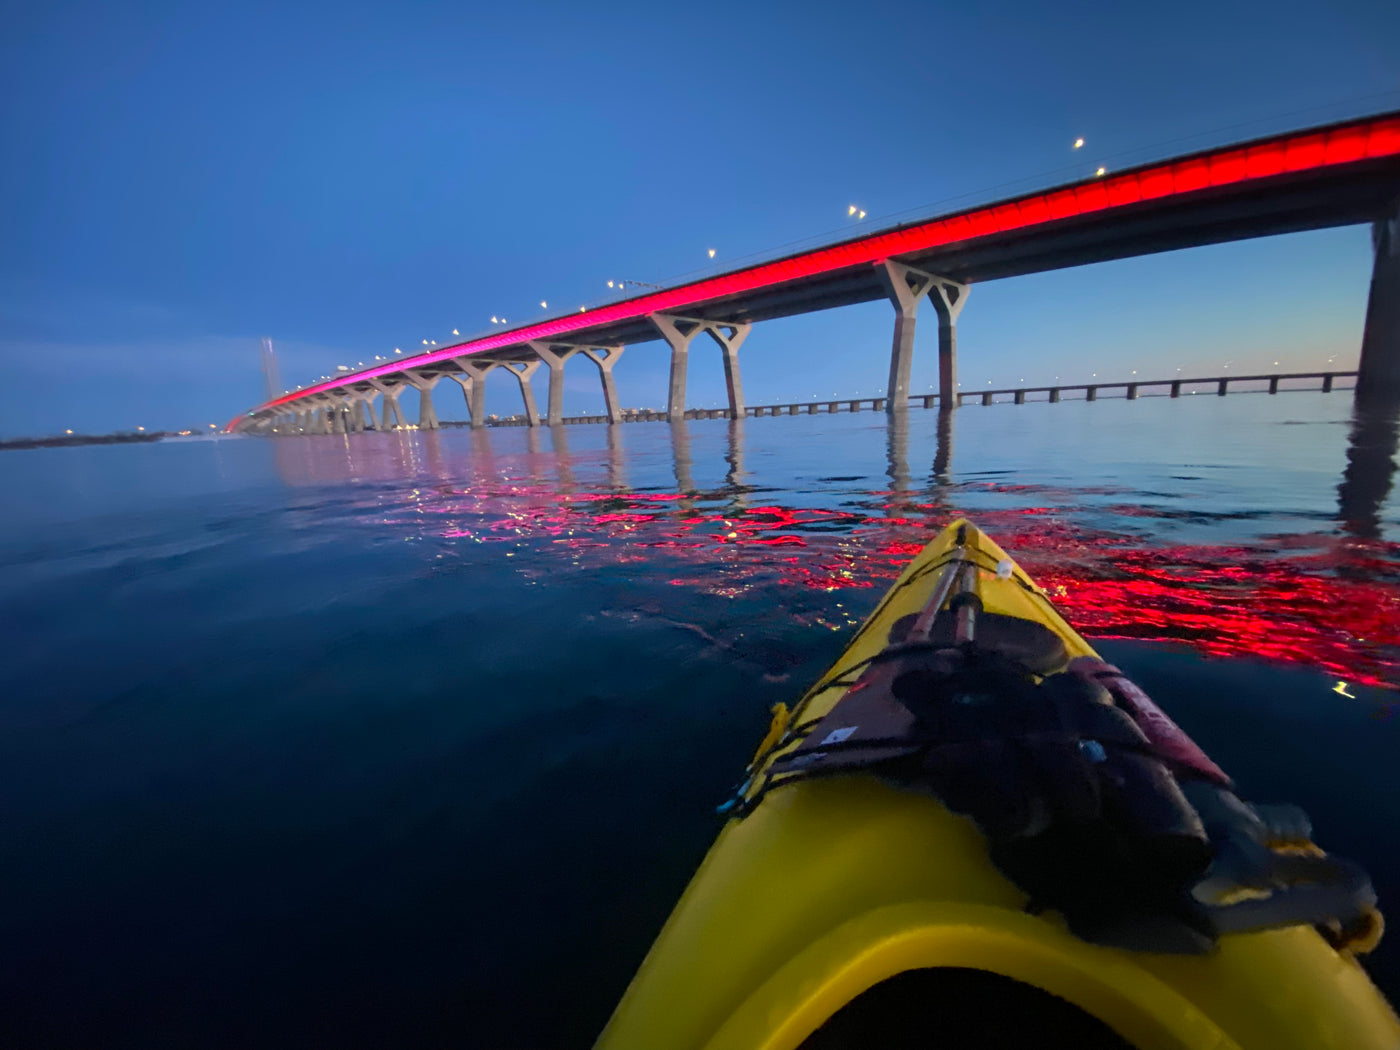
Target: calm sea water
414, 739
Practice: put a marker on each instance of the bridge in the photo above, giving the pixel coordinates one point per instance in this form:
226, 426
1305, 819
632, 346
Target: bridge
1340, 174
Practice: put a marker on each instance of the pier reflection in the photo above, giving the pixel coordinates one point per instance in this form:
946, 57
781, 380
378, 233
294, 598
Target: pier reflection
599, 501
943, 454
897, 459
902, 490
1370, 469
563, 462
680, 457
617, 458
736, 477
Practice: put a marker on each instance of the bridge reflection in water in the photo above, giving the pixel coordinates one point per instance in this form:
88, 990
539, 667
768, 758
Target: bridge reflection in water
1370, 470
1328, 599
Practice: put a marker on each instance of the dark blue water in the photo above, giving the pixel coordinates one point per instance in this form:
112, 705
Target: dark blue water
404, 739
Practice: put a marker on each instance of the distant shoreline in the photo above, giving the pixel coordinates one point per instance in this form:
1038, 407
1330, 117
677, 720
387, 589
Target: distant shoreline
66, 440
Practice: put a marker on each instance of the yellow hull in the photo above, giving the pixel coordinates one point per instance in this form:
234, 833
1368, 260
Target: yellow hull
830, 886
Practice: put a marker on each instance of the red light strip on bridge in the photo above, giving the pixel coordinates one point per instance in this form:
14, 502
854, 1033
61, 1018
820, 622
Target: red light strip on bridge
1303, 151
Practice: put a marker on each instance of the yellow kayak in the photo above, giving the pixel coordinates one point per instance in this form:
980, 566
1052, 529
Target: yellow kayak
973, 832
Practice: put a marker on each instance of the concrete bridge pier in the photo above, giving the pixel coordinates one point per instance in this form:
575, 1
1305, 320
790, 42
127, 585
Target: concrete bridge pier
351, 420
1378, 374
678, 332
354, 415
906, 287
427, 415
364, 406
475, 371
392, 416
466, 382
523, 370
554, 355
729, 346
605, 357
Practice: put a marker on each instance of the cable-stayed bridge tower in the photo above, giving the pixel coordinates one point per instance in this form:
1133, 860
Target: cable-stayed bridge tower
269, 367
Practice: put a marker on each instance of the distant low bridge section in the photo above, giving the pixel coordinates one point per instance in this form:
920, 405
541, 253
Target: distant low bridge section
1338, 175
1124, 389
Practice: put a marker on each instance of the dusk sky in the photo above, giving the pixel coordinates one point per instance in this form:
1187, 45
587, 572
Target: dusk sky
181, 179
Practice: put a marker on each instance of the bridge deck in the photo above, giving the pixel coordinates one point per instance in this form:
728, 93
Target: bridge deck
1338, 175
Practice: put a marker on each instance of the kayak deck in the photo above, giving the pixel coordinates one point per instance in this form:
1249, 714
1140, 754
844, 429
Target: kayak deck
829, 887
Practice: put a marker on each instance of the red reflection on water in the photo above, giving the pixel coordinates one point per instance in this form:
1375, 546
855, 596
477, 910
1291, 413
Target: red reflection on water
1319, 600
1336, 608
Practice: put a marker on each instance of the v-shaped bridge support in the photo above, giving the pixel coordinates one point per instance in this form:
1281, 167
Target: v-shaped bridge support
678, 332
427, 415
473, 384
523, 370
392, 416
554, 355
906, 288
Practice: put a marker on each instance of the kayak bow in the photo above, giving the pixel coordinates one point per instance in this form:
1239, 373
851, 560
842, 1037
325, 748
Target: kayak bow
972, 821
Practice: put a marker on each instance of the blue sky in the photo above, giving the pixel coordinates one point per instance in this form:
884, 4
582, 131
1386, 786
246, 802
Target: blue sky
181, 179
